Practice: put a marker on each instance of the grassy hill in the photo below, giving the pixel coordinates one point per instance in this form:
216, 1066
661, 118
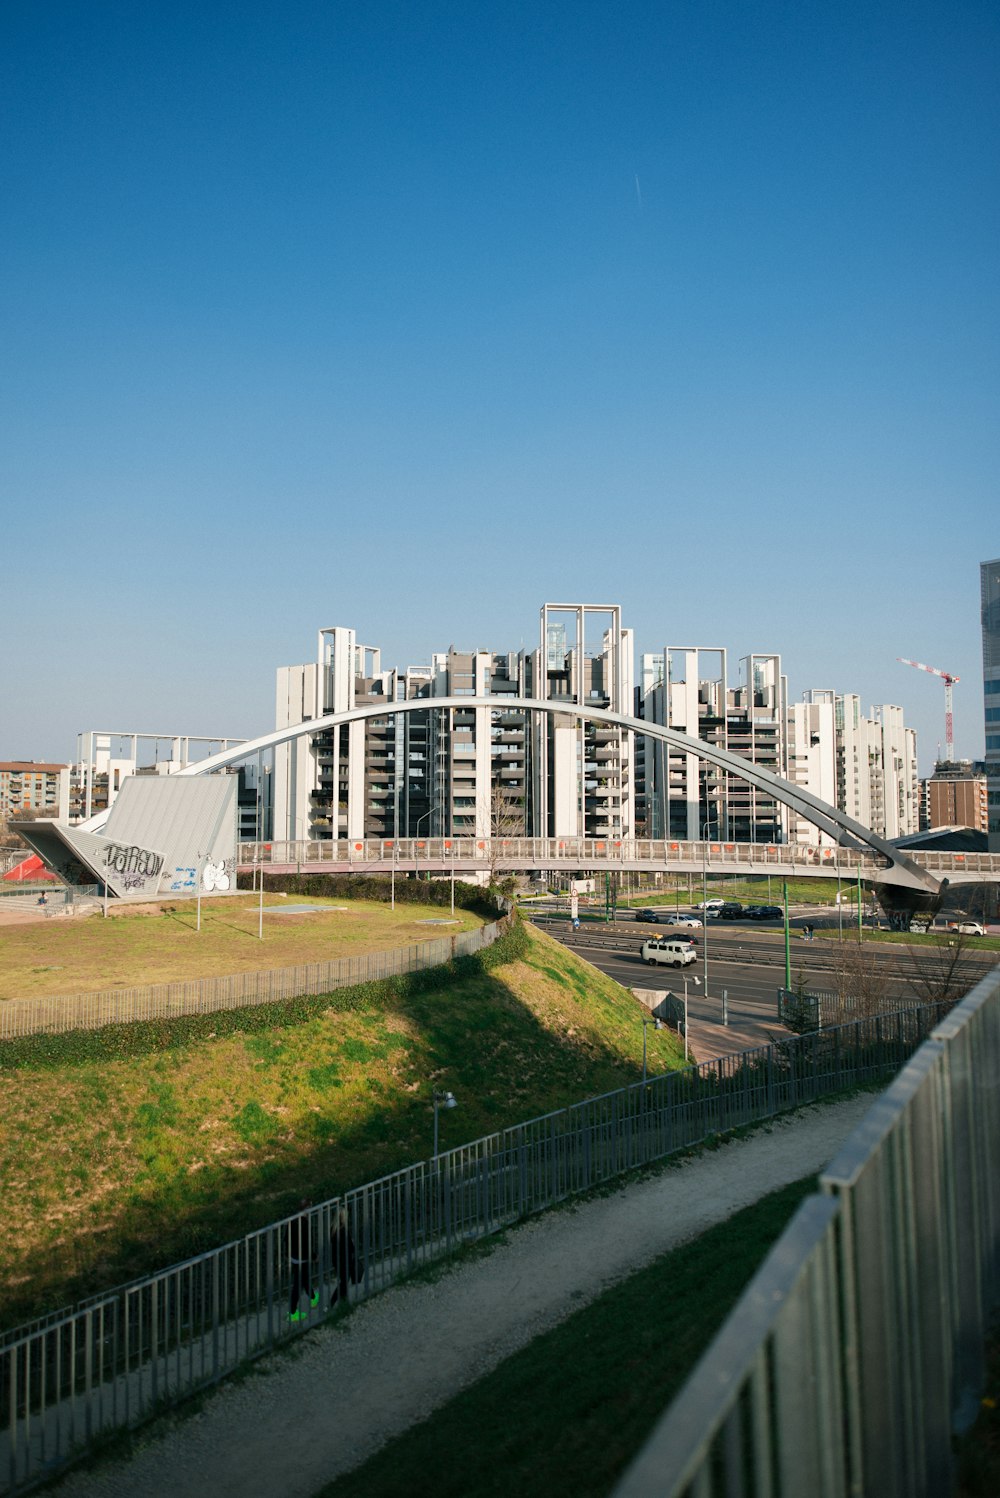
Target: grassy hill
124, 1150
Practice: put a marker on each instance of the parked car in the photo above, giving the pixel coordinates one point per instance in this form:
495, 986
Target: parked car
765, 912
731, 911
668, 951
689, 922
709, 904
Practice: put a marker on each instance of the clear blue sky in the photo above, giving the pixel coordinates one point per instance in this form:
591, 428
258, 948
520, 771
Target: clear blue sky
410, 316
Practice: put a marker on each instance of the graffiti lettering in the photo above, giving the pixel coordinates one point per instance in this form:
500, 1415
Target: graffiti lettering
218, 876
132, 860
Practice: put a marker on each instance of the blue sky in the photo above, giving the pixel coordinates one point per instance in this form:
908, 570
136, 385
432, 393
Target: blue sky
412, 316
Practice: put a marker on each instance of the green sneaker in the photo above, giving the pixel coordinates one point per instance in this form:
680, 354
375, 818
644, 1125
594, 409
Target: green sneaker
295, 1315
314, 1299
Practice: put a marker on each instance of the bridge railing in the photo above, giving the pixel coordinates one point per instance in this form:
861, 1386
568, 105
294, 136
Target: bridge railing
857, 1350
546, 852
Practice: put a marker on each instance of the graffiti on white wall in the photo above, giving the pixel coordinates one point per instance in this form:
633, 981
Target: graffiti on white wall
218, 876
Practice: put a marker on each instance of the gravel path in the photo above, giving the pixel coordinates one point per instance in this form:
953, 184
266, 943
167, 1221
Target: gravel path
306, 1419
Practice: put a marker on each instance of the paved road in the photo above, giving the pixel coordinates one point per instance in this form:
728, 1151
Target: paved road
746, 963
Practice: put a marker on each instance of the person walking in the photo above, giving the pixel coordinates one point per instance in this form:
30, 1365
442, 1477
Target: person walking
344, 1257
300, 1258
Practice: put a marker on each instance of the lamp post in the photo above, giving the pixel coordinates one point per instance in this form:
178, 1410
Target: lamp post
704, 908
657, 1024
201, 875
697, 984
441, 1100
788, 955
416, 853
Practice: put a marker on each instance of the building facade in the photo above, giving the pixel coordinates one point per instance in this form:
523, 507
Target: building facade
479, 772
683, 796
955, 795
989, 582
28, 785
508, 771
105, 758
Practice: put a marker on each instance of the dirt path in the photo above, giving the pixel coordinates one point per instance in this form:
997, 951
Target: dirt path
306, 1419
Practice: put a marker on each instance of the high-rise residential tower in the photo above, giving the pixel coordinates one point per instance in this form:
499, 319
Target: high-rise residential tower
989, 580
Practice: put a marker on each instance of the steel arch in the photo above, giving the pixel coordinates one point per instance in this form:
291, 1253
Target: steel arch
845, 831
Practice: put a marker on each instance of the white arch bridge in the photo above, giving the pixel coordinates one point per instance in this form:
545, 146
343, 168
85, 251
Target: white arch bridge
905, 882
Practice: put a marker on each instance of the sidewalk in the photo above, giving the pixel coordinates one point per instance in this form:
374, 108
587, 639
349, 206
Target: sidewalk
306, 1419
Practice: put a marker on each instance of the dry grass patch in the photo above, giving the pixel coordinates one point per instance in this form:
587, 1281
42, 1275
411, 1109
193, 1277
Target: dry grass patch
82, 956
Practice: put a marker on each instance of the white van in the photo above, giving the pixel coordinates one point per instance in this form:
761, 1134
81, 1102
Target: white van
669, 950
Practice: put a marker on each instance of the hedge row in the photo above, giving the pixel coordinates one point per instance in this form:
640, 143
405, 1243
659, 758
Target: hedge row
409, 891
120, 1042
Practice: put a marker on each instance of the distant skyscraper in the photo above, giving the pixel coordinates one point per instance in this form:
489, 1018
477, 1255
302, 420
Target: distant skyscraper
989, 578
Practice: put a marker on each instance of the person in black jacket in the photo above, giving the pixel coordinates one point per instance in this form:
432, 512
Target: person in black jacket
300, 1258
344, 1258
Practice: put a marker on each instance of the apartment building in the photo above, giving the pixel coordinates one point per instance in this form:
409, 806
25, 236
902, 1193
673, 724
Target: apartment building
989, 582
28, 785
955, 795
508, 771
456, 772
682, 796
865, 766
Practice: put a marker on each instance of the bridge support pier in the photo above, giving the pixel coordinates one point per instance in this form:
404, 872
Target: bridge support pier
901, 903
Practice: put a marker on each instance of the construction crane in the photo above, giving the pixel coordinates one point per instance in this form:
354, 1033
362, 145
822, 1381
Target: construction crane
949, 681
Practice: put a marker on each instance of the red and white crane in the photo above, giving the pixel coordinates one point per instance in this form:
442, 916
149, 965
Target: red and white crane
949, 681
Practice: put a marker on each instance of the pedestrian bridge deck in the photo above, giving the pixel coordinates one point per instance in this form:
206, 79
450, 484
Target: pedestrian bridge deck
654, 855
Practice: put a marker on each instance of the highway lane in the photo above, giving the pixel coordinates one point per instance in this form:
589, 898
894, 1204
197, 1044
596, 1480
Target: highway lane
747, 963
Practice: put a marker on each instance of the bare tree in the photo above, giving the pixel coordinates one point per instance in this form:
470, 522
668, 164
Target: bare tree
861, 984
945, 970
507, 815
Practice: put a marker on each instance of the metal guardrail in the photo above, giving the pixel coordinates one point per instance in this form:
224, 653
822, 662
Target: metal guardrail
89, 1011
19, 897
857, 1349
109, 1362
442, 853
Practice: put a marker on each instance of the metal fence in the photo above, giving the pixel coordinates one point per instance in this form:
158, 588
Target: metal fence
112, 1360
88, 1011
857, 1350
57, 896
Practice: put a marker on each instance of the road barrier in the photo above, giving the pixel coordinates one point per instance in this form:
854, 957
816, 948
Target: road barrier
114, 1359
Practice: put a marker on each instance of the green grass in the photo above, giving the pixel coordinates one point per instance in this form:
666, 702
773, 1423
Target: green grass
114, 1162
753, 890
567, 1413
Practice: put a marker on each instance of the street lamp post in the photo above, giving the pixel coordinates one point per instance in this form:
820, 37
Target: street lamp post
441, 1100
704, 908
697, 984
416, 850
657, 1024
